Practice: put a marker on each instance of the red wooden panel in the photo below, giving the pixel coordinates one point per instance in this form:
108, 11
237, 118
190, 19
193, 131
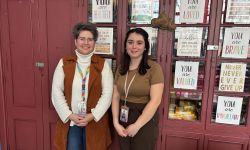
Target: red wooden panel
57, 20
3, 136
52, 133
218, 145
213, 142
182, 140
3, 130
22, 52
59, 31
22, 79
188, 125
25, 134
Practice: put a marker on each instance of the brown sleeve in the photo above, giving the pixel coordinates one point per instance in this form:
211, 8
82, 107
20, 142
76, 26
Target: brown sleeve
156, 74
117, 74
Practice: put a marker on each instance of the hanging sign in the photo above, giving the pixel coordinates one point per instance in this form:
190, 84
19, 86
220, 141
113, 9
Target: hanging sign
104, 43
102, 11
238, 11
186, 74
192, 11
142, 11
235, 44
228, 110
232, 77
189, 42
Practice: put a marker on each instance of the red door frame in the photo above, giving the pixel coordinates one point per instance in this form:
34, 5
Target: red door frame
12, 112
3, 132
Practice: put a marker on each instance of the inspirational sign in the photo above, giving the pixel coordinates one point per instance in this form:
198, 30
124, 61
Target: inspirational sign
102, 11
238, 11
192, 11
189, 41
228, 110
235, 44
104, 43
186, 74
142, 11
232, 77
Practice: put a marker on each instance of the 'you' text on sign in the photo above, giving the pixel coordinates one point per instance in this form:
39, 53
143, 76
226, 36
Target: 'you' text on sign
186, 74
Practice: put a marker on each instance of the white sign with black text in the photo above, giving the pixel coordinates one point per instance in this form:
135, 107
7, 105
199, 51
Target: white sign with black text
228, 110
189, 41
235, 44
192, 11
102, 11
104, 43
186, 75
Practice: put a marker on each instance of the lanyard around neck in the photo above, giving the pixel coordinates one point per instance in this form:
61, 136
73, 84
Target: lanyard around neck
83, 79
125, 85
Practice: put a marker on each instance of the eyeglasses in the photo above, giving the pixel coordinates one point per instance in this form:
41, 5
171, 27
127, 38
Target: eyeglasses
83, 39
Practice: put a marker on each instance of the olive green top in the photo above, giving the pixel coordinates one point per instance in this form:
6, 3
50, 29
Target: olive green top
139, 91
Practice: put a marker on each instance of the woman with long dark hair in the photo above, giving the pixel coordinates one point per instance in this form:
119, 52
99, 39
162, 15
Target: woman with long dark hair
137, 94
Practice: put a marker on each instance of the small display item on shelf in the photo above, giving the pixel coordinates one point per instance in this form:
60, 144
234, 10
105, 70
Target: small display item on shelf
185, 110
185, 105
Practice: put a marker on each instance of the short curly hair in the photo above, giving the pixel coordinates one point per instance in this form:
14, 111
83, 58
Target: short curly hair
85, 27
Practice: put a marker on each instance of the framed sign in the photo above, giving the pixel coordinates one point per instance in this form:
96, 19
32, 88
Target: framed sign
144, 10
104, 43
192, 11
235, 44
228, 110
102, 11
189, 41
238, 11
186, 75
232, 77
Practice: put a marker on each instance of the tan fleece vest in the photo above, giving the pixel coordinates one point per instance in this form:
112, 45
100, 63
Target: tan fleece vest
97, 133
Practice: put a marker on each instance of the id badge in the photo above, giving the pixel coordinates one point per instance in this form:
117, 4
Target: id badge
124, 114
82, 109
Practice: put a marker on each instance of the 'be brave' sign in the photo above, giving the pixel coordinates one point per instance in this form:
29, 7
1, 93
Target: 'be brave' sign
235, 44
